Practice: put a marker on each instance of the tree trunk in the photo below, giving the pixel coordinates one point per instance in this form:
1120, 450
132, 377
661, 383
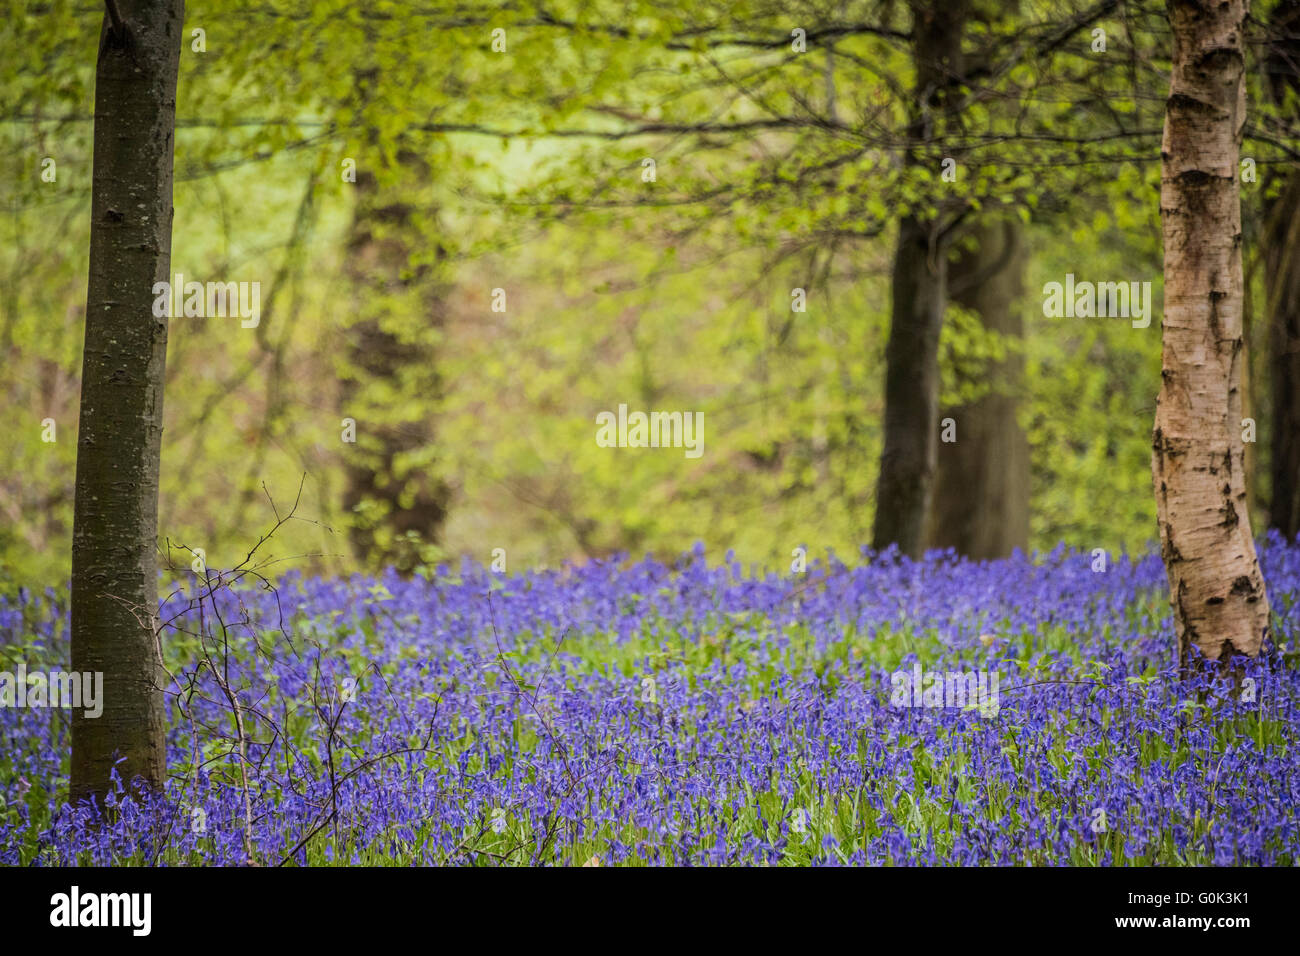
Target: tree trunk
1197, 462
1282, 287
114, 575
918, 281
981, 486
1282, 282
911, 390
397, 499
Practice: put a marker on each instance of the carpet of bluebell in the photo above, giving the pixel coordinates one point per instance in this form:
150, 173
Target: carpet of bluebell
688, 713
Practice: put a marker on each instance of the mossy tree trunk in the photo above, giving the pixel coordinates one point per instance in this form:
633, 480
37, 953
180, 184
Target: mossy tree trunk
397, 497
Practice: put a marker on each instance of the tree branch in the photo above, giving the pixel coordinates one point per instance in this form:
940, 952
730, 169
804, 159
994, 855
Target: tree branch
115, 18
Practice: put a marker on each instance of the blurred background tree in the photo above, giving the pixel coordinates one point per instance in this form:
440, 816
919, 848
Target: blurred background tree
521, 169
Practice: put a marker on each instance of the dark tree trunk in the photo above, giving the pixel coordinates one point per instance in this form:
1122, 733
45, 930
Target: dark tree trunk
918, 282
114, 574
981, 487
398, 500
911, 389
1282, 282
1282, 286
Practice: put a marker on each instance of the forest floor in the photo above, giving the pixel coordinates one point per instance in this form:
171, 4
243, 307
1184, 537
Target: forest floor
1025, 711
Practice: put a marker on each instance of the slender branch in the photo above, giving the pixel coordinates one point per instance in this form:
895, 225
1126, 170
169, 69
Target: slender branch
115, 16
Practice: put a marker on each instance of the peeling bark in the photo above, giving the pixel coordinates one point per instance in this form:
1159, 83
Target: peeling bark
1198, 461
